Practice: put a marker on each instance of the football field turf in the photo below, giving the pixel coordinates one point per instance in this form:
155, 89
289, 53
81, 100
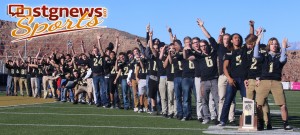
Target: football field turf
25, 115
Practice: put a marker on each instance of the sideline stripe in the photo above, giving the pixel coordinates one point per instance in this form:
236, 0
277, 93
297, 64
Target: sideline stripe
26, 104
64, 114
87, 107
88, 126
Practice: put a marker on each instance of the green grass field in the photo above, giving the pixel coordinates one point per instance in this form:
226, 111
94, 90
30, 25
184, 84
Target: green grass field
66, 118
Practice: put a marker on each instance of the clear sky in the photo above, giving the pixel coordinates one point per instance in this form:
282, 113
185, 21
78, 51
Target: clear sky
281, 18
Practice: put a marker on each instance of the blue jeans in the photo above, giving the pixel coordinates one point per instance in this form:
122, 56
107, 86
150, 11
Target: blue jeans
125, 91
178, 96
9, 85
68, 87
62, 92
39, 85
187, 86
100, 91
230, 96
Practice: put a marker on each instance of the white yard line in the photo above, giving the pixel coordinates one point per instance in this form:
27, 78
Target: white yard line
25, 104
67, 114
90, 126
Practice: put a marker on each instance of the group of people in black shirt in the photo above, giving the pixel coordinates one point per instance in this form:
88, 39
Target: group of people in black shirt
160, 78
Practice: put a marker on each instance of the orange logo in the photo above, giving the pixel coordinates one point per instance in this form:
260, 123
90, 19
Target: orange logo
88, 18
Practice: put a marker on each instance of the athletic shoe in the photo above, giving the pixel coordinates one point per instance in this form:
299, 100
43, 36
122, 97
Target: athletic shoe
232, 123
154, 113
269, 127
222, 124
260, 125
200, 120
286, 126
183, 119
205, 121
170, 116
215, 121
140, 110
75, 102
135, 109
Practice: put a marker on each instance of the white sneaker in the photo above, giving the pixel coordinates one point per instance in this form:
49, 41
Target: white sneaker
205, 121
136, 109
140, 111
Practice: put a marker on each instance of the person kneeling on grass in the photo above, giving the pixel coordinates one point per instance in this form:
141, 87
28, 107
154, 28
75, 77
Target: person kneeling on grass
82, 86
68, 85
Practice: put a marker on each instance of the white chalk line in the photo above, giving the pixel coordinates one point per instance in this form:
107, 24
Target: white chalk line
84, 114
91, 126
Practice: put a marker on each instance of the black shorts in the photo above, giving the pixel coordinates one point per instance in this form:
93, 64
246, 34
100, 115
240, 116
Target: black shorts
111, 86
153, 88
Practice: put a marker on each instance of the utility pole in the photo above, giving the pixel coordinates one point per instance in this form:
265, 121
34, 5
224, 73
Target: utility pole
25, 48
69, 44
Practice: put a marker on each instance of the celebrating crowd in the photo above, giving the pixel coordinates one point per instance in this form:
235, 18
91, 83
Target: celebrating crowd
161, 78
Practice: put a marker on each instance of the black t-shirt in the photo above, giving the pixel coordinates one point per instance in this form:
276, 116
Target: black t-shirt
108, 66
132, 66
197, 67
40, 71
160, 67
48, 69
177, 61
97, 64
33, 71
82, 62
271, 67
237, 62
113, 72
170, 72
16, 71
124, 66
23, 71
221, 51
208, 65
152, 66
188, 66
254, 65
142, 71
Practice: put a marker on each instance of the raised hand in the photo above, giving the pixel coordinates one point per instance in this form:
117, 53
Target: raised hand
151, 33
251, 22
99, 37
162, 49
148, 28
169, 29
222, 32
200, 22
285, 43
259, 31
174, 38
137, 39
